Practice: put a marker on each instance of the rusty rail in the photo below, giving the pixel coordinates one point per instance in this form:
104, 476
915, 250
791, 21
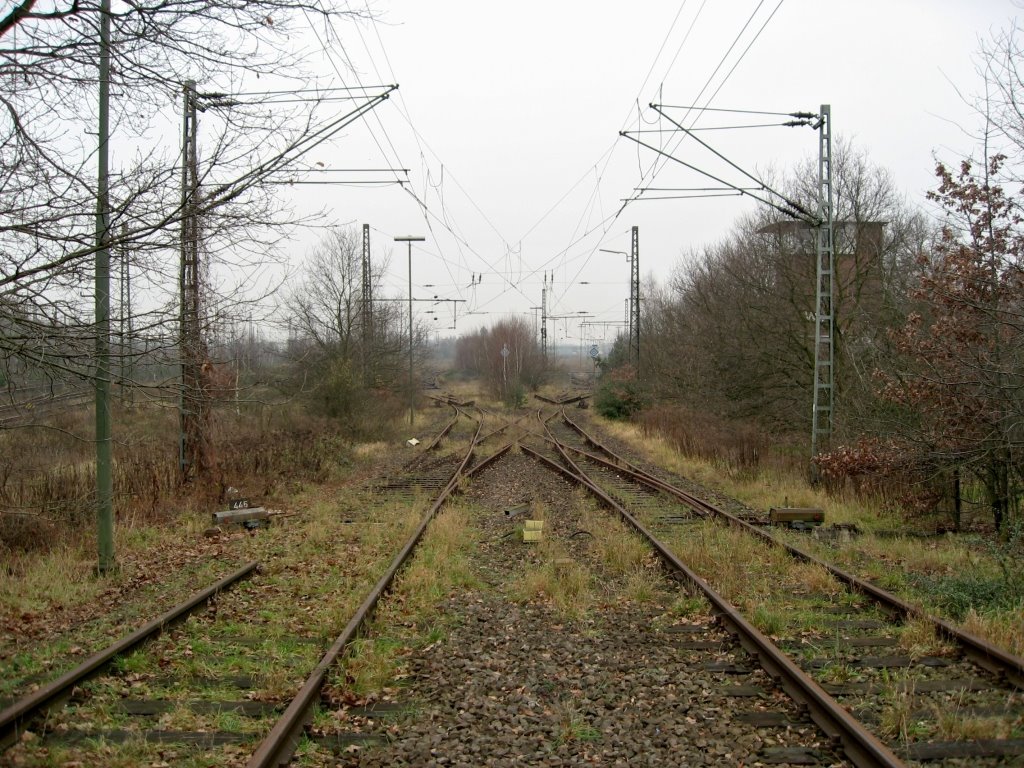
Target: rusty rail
279, 745
861, 746
14, 717
982, 652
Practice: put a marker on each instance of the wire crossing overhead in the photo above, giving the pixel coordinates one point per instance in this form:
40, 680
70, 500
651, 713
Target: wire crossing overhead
773, 199
821, 221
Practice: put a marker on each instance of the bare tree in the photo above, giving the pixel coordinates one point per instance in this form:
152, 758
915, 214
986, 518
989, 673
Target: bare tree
327, 313
47, 183
506, 356
734, 334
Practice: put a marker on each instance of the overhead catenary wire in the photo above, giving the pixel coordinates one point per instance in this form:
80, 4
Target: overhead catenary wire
421, 203
682, 197
754, 195
691, 107
718, 127
328, 53
446, 211
655, 168
605, 159
705, 107
711, 77
445, 217
752, 177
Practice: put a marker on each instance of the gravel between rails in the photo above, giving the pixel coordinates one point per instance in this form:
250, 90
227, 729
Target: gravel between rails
521, 683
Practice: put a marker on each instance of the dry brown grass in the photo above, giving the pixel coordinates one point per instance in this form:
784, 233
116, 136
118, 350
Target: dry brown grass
47, 476
905, 565
918, 638
618, 549
441, 562
1005, 629
569, 586
895, 718
732, 447
814, 578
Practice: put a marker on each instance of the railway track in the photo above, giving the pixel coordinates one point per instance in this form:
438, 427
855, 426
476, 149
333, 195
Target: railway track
852, 640
572, 651
581, 649
223, 683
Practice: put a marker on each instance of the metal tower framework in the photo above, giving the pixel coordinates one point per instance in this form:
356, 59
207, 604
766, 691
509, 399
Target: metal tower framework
544, 320
192, 408
367, 306
824, 347
634, 301
821, 222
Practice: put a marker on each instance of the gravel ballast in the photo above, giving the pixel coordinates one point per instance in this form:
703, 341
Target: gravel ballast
628, 680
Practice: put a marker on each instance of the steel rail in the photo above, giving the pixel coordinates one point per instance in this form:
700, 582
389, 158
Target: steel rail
279, 745
649, 480
564, 400
498, 430
985, 654
859, 745
18, 714
447, 427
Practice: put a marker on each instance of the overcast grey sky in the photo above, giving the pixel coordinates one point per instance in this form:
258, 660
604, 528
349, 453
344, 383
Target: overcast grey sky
508, 118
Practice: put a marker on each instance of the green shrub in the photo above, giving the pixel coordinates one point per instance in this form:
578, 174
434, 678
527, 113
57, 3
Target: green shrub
364, 413
957, 595
619, 394
515, 397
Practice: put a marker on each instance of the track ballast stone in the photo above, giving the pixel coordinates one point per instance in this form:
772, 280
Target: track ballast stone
521, 683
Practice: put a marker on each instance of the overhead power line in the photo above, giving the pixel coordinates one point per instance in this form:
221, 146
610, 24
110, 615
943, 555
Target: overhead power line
691, 107
791, 203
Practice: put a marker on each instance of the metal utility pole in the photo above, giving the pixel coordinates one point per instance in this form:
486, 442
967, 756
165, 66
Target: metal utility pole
824, 347
367, 306
634, 301
544, 321
410, 239
104, 458
190, 403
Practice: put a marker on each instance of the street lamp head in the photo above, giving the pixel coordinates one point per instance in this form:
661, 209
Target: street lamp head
409, 239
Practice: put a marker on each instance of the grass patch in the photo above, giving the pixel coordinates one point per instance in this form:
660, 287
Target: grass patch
373, 664
895, 717
1002, 628
616, 547
769, 620
918, 638
572, 725
958, 594
963, 578
688, 606
564, 583
440, 564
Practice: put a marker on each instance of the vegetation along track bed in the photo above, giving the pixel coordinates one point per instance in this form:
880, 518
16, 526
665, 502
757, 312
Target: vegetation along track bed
579, 648
573, 650
932, 692
206, 691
